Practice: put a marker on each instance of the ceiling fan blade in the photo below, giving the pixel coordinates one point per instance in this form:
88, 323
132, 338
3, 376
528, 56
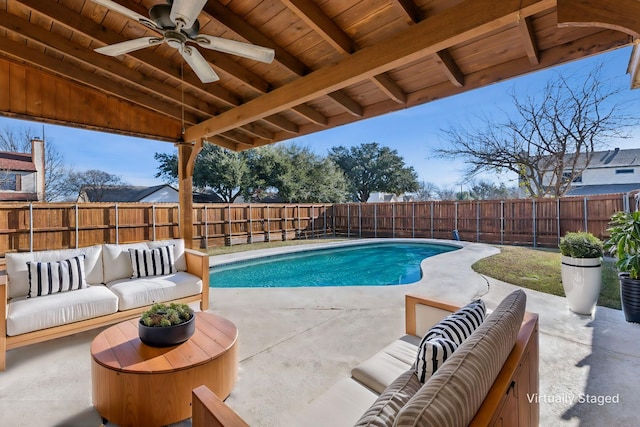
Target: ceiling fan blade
128, 46
246, 50
111, 5
186, 11
198, 64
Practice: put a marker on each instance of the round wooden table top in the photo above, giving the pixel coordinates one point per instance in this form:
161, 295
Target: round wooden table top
119, 347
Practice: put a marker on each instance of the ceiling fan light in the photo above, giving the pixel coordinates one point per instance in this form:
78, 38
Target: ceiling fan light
186, 11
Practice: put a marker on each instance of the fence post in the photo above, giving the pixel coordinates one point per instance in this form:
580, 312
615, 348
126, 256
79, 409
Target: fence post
268, 225
360, 220
77, 228
625, 202
348, 221
117, 229
250, 224
333, 219
206, 228
455, 225
229, 222
298, 231
153, 220
313, 221
502, 222
432, 219
586, 214
558, 218
30, 227
413, 219
477, 221
375, 221
393, 220
533, 217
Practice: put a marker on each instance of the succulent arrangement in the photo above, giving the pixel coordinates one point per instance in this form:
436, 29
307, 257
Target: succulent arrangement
162, 315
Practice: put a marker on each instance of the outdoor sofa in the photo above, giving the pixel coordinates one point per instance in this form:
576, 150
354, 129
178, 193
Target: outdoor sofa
491, 379
50, 294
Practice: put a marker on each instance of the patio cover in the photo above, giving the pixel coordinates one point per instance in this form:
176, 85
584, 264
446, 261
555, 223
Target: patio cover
337, 61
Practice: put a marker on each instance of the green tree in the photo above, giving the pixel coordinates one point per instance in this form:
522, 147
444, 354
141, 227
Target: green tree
370, 167
297, 174
217, 170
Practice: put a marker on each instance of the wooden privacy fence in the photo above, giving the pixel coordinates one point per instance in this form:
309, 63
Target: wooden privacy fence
40, 226
534, 222
539, 222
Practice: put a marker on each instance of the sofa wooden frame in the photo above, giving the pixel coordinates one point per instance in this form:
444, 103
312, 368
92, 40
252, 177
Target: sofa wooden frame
505, 404
197, 264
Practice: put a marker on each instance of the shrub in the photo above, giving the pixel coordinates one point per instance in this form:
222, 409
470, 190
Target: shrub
581, 245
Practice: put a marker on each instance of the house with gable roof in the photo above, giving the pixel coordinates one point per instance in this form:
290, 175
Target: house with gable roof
22, 175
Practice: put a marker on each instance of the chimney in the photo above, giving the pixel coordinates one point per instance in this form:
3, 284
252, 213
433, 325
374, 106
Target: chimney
37, 156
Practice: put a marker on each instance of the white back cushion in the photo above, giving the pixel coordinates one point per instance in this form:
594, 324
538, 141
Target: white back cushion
178, 251
117, 262
18, 273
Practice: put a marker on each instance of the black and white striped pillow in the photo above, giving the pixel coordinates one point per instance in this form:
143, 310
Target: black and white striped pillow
460, 325
432, 354
152, 262
51, 277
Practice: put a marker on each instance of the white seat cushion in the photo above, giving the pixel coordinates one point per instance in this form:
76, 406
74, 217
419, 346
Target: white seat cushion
342, 405
384, 367
32, 314
143, 291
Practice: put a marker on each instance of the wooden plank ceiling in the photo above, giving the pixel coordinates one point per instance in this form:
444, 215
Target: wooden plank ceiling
336, 61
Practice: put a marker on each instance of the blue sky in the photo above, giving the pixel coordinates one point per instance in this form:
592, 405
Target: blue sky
413, 132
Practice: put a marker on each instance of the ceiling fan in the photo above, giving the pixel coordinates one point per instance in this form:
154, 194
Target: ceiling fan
178, 22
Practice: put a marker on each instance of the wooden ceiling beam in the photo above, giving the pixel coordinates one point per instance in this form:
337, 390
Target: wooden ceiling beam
23, 54
310, 114
313, 16
529, 40
449, 67
257, 131
238, 25
455, 25
116, 70
282, 123
595, 43
343, 100
619, 15
410, 9
78, 23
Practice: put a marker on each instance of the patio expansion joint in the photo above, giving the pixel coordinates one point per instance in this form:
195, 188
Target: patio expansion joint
590, 345
339, 313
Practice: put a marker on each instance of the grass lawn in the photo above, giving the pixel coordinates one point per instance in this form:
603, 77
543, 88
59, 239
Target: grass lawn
539, 269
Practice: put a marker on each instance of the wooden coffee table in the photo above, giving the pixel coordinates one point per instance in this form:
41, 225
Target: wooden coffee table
137, 385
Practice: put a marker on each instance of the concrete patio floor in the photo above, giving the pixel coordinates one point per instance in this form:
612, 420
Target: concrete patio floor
295, 343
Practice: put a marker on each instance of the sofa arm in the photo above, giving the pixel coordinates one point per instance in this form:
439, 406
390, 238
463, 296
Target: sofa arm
3, 320
208, 410
422, 313
198, 265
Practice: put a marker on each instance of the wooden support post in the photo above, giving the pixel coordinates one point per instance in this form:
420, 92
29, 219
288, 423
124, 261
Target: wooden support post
187, 153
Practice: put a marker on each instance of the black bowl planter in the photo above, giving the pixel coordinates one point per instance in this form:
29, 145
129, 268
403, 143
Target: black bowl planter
166, 336
630, 297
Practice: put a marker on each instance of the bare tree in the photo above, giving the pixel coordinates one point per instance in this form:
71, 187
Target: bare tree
552, 136
426, 191
92, 181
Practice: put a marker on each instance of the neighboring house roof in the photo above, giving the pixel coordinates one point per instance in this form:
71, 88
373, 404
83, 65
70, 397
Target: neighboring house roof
14, 196
591, 190
163, 193
610, 158
22, 162
119, 193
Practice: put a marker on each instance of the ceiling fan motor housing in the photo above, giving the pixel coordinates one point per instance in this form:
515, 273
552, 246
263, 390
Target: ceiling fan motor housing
160, 14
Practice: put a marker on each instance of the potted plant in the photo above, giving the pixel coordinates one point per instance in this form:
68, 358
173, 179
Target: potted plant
581, 270
166, 325
624, 244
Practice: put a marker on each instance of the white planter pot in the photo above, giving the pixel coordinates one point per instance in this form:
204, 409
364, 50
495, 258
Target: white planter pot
581, 279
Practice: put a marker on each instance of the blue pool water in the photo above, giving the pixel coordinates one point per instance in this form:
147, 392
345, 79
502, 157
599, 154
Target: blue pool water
356, 265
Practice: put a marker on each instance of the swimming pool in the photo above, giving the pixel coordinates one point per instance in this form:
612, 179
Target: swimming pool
377, 264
